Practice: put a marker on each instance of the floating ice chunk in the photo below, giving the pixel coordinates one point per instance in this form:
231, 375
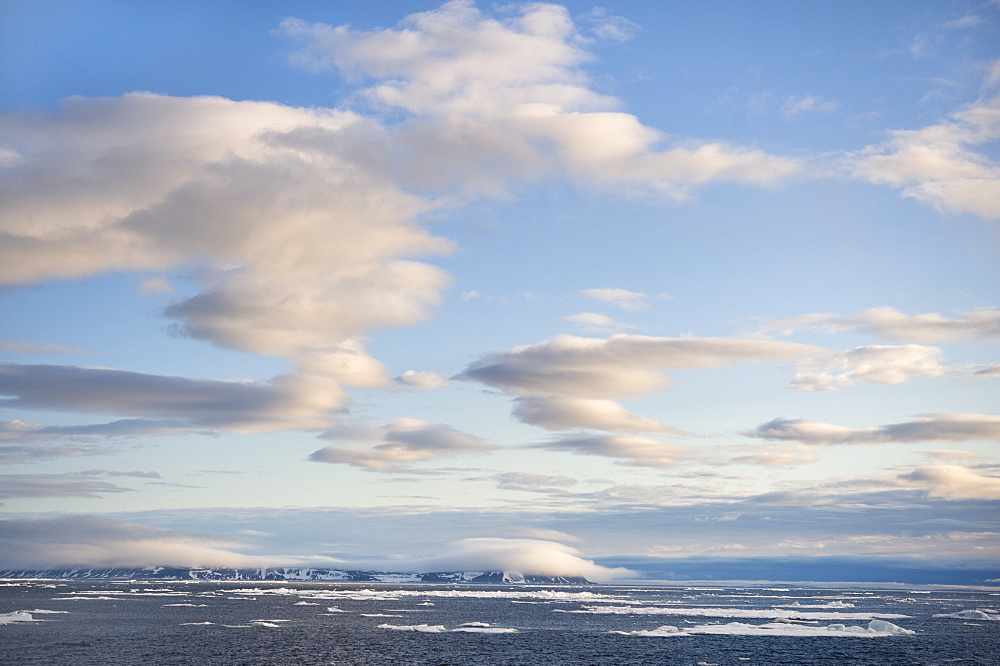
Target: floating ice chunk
305, 603
423, 628
662, 630
334, 609
47, 612
265, 623
881, 626
17, 616
194, 624
875, 629
186, 605
467, 627
977, 614
379, 615
746, 613
485, 630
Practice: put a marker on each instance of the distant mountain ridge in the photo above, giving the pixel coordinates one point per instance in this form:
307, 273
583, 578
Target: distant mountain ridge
291, 574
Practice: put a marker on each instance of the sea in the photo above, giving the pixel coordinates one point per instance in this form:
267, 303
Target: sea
134, 622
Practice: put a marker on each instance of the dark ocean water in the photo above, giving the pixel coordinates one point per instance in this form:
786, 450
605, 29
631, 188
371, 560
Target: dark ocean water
323, 623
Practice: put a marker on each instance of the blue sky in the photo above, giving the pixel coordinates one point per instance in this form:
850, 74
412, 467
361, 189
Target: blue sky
552, 286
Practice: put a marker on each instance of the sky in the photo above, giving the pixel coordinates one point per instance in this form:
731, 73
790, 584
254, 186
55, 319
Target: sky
636, 290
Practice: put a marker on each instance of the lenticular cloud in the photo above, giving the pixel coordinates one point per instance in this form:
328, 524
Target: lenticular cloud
524, 556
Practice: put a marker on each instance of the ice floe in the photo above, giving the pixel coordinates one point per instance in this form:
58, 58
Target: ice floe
17, 616
875, 629
465, 627
423, 628
267, 623
746, 613
976, 614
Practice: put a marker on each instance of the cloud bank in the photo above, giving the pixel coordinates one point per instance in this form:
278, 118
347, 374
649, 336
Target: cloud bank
393, 446
924, 428
524, 556
91, 541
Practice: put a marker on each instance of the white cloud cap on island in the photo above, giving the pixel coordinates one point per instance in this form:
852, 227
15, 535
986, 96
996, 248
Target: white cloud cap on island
523, 556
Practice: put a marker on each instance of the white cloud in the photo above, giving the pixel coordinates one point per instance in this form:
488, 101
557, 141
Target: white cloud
286, 401
55, 485
941, 164
597, 323
623, 298
561, 413
639, 451
39, 543
157, 284
569, 382
954, 482
22, 432
924, 428
798, 104
966, 21
605, 25
395, 445
507, 98
876, 364
300, 238
524, 556
536, 483
426, 380
541, 534
783, 455
889, 323
619, 366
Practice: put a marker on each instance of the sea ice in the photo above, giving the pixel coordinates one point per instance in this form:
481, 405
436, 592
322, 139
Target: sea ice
485, 630
977, 614
423, 628
747, 613
875, 629
17, 616
467, 627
